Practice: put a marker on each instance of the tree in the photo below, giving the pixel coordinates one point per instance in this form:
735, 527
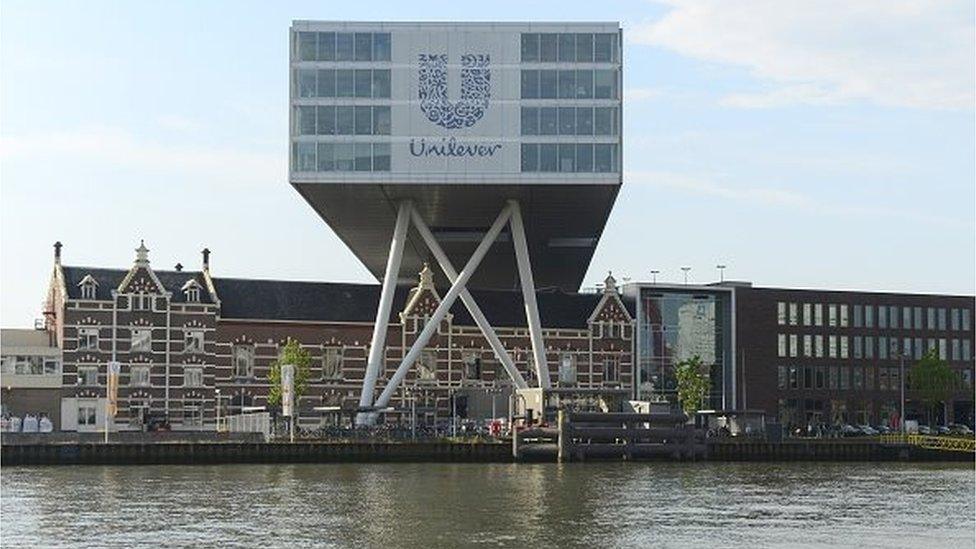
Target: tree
694, 383
932, 381
291, 353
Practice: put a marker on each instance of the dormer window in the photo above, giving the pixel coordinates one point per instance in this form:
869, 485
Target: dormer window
89, 287
142, 302
191, 291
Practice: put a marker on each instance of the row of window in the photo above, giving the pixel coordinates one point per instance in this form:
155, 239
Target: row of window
569, 157
569, 47
139, 376
569, 84
888, 316
32, 365
140, 340
844, 378
343, 46
569, 121
142, 301
341, 157
361, 83
342, 120
865, 347
88, 412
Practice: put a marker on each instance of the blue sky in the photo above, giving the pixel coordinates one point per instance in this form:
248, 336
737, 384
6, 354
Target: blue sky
826, 144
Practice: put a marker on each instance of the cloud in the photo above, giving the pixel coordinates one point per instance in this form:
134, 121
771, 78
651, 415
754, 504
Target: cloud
895, 53
106, 146
632, 95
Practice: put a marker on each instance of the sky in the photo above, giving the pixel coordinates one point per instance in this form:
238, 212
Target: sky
823, 144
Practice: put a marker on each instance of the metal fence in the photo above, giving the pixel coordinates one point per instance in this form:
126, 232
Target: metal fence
259, 422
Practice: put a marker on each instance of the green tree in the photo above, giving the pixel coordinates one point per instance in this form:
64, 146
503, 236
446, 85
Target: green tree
932, 381
291, 353
694, 383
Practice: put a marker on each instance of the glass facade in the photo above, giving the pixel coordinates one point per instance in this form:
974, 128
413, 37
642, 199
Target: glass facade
676, 325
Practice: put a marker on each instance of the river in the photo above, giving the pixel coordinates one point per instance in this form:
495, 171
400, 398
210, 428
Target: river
525, 505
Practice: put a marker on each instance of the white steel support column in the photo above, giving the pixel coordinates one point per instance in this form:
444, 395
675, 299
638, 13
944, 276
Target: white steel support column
528, 295
446, 302
469, 302
377, 347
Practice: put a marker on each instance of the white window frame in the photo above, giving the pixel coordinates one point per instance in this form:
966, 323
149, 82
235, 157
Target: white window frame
85, 373
88, 290
88, 339
140, 376
193, 341
332, 358
196, 407
141, 301
611, 365
90, 417
192, 294
247, 353
193, 376
141, 340
567, 369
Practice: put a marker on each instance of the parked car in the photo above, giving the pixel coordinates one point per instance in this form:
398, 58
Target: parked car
867, 430
924, 430
849, 431
942, 430
883, 429
960, 429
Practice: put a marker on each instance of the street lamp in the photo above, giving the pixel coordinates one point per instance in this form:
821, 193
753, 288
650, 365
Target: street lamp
721, 272
654, 273
686, 269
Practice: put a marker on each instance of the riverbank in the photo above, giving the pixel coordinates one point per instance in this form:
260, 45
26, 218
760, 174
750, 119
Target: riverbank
237, 451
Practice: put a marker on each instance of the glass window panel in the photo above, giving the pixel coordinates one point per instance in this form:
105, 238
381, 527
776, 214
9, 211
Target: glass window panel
547, 84
307, 46
364, 157
547, 47
547, 121
344, 46
381, 83
345, 157
584, 121
306, 120
603, 158
345, 120
364, 46
584, 157
603, 121
326, 87
567, 84
530, 84
547, 157
326, 157
584, 48
530, 47
584, 84
567, 157
604, 84
306, 157
364, 120
567, 48
567, 121
326, 120
364, 83
326, 46
381, 121
306, 83
530, 157
345, 86
381, 157
603, 48
381, 46
530, 121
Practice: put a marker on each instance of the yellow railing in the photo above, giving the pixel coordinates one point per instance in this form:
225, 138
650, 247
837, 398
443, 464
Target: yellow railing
950, 443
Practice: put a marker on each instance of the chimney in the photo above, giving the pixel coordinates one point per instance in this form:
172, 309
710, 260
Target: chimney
206, 259
179, 267
57, 252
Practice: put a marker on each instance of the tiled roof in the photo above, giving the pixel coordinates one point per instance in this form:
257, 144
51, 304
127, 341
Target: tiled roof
109, 279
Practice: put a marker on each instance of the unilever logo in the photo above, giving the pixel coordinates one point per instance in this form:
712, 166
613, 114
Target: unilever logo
464, 113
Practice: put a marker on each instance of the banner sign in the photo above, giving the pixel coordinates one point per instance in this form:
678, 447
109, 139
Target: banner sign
287, 389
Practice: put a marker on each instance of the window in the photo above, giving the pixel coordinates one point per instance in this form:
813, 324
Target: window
894, 379
472, 366
193, 413
917, 313
807, 378
611, 369
192, 294
832, 315
193, 341
793, 314
883, 379
604, 119
547, 47
427, 366
955, 349
381, 83
858, 347
868, 379
942, 318
381, 46
781, 344
844, 316
858, 316
141, 340
967, 351
363, 83
88, 376
530, 47
88, 289
843, 347
820, 378
906, 318
807, 314
882, 316
781, 313
605, 84
893, 316
832, 346
88, 339
818, 314
965, 319
794, 378
954, 317
818, 346
603, 47
832, 378
845, 378
869, 316
87, 411
344, 46
882, 347
139, 376
868, 347
243, 360
781, 377
193, 377
858, 378
943, 354
793, 345
142, 302
332, 363
807, 346
918, 348
567, 369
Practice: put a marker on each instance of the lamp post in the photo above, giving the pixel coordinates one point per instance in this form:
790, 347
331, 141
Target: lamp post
654, 273
721, 272
686, 269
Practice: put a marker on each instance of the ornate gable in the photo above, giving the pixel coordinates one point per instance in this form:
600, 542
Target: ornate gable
610, 308
141, 278
423, 299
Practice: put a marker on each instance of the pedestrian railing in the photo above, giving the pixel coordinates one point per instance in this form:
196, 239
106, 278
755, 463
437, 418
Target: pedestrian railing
259, 422
948, 443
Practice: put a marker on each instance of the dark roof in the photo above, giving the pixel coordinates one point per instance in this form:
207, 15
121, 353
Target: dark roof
344, 302
109, 279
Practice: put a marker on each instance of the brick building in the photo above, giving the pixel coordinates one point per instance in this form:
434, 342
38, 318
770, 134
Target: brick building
186, 339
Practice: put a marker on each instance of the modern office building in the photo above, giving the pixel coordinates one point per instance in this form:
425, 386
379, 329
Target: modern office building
30, 374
